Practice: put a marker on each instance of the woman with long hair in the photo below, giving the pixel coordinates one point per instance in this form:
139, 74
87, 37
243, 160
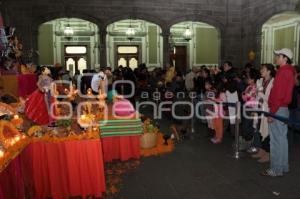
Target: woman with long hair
262, 138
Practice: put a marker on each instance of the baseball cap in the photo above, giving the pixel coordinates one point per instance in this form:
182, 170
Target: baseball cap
285, 51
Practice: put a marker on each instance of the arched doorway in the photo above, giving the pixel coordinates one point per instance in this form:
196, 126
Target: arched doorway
132, 42
71, 42
280, 31
194, 44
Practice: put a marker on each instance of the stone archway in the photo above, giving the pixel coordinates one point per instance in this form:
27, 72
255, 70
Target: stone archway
210, 20
70, 42
200, 18
259, 21
280, 31
141, 16
146, 40
194, 43
37, 21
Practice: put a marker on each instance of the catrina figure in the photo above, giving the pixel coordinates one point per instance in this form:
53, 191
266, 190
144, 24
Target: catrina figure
38, 105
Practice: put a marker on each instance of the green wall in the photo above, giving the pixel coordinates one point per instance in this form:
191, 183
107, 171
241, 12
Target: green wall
152, 38
284, 38
207, 47
45, 44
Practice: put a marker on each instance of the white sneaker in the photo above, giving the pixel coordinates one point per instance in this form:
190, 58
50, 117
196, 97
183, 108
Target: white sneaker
252, 150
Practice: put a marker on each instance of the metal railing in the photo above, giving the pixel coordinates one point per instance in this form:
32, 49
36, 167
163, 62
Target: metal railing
291, 122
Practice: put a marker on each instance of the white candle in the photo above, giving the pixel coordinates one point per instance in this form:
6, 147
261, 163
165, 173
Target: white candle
1, 154
17, 138
12, 142
89, 91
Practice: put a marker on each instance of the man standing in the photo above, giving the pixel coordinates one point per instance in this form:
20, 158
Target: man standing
280, 98
100, 82
189, 79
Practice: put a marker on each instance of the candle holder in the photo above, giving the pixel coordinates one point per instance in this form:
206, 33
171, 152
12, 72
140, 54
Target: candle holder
86, 121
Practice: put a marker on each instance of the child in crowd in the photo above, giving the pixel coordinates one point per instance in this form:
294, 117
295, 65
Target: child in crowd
218, 114
249, 100
209, 95
249, 95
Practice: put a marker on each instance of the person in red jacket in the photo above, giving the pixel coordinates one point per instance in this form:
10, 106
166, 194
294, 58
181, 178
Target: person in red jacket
280, 98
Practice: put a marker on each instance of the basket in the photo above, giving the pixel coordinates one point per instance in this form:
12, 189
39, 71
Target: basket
148, 140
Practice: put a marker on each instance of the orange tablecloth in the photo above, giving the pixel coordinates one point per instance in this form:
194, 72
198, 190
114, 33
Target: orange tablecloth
121, 148
62, 170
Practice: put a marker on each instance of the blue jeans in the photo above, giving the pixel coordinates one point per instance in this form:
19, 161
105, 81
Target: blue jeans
279, 143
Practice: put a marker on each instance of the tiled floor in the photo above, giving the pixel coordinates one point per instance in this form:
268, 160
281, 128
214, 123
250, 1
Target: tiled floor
198, 169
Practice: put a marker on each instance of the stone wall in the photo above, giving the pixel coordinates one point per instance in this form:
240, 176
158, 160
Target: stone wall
238, 21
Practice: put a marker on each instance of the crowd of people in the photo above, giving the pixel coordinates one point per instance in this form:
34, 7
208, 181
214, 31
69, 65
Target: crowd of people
273, 89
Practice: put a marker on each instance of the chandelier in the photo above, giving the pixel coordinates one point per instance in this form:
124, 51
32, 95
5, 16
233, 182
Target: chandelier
68, 31
130, 32
187, 34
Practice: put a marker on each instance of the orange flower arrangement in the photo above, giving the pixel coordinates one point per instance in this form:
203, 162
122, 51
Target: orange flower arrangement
12, 143
160, 147
4, 134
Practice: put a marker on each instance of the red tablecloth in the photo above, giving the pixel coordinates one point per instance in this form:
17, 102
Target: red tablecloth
27, 84
121, 148
62, 170
11, 181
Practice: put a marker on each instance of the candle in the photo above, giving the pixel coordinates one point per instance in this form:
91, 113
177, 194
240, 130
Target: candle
17, 138
83, 120
89, 91
1, 153
12, 142
66, 91
17, 121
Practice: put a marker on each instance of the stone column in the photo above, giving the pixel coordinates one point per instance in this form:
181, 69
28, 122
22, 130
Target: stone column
166, 47
103, 48
231, 49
